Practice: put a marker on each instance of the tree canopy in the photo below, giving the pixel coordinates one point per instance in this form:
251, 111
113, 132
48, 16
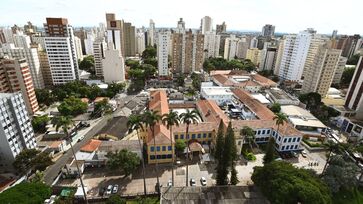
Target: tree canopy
270, 151
123, 160
276, 107
282, 183
31, 193
347, 76
223, 64
72, 106
87, 64
39, 123
353, 60
149, 52
31, 159
45, 96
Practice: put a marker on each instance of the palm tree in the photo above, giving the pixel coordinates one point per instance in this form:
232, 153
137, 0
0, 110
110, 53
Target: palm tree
188, 118
65, 123
248, 134
169, 120
332, 147
135, 123
150, 119
280, 119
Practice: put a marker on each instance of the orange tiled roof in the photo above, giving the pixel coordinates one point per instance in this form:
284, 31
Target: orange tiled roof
162, 135
222, 79
91, 145
99, 99
199, 127
55, 144
159, 101
221, 72
210, 112
263, 80
262, 112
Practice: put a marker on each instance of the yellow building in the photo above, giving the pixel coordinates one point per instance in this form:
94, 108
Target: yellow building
253, 54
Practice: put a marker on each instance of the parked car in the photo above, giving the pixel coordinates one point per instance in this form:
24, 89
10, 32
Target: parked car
304, 154
170, 183
203, 181
192, 182
109, 190
115, 188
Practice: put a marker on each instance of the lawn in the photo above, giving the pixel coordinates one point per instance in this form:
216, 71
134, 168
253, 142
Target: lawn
348, 197
148, 200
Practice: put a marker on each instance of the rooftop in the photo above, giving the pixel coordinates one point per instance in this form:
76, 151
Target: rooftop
111, 146
210, 111
301, 117
91, 146
216, 90
280, 94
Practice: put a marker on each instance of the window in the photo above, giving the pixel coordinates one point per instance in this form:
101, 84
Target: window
258, 132
163, 156
158, 148
294, 140
152, 149
182, 136
298, 139
287, 147
279, 138
283, 148
164, 148
169, 148
263, 132
152, 157
285, 140
193, 136
158, 156
199, 135
187, 136
290, 139
169, 156
296, 146
210, 135
176, 137
268, 132
204, 135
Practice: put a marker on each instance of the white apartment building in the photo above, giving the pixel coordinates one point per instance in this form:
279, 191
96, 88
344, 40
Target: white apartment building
151, 33
206, 24
253, 43
268, 58
16, 131
39, 40
242, 47
340, 69
99, 47
315, 42
32, 58
88, 43
113, 66
140, 42
230, 47
163, 42
21, 40
211, 44
294, 55
354, 97
78, 45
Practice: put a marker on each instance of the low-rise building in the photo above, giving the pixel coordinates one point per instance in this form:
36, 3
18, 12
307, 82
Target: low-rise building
277, 95
221, 95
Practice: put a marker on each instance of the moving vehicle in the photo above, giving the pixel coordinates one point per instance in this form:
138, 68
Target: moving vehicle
169, 183
115, 188
109, 190
192, 182
203, 181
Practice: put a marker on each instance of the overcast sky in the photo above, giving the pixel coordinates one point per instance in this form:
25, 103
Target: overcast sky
287, 15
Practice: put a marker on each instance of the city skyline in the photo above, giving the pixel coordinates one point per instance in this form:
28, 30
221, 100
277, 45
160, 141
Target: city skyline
286, 15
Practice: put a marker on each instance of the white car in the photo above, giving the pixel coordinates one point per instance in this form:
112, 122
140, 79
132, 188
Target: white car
115, 188
170, 183
203, 181
109, 190
304, 154
192, 182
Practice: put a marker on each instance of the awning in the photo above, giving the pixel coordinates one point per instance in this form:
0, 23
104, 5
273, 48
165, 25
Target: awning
196, 147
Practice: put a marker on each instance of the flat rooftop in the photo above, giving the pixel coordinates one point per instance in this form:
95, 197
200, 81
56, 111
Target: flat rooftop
215, 90
301, 117
280, 94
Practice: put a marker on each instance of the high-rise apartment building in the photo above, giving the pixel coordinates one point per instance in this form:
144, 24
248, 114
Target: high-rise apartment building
16, 131
230, 47
130, 37
82, 35
206, 24
294, 55
188, 52
21, 40
268, 58
242, 47
151, 33
315, 42
15, 77
88, 43
115, 33
99, 47
320, 73
211, 44
78, 46
340, 69
280, 51
334, 34
140, 41
254, 55
222, 28
268, 30
45, 68
32, 58
61, 50
163, 44
180, 26
348, 44
354, 97
113, 66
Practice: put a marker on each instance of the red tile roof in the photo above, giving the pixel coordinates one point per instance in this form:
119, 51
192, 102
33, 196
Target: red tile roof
210, 112
91, 145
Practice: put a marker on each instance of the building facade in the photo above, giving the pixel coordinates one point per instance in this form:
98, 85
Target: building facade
163, 47
206, 24
115, 34
113, 66
354, 96
268, 30
254, 55
340, 69
99, 47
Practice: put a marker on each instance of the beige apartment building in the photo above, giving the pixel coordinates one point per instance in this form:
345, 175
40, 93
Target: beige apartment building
319, 75
115, 34
15, 77
130, 37
254, 54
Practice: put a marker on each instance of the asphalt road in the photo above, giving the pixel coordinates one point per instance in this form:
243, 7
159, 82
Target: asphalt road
52, 172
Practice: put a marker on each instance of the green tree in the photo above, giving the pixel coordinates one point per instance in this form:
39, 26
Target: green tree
169, 120
149, 71
44, 96
332, 147
270, 151
180, 146
276, 107
189, 117
248, 135
234, 177
87, 64
149, 52
39, 123
151, 118
312, 100
180, 80
341, 174
65, 123
115, 199
101, 108
133, 64
135, 123
123, 160
353, 60
220, 142
347, 77
26, 192
280, 119
115, 88
151, 61
31, 160
282, 183
72, 106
